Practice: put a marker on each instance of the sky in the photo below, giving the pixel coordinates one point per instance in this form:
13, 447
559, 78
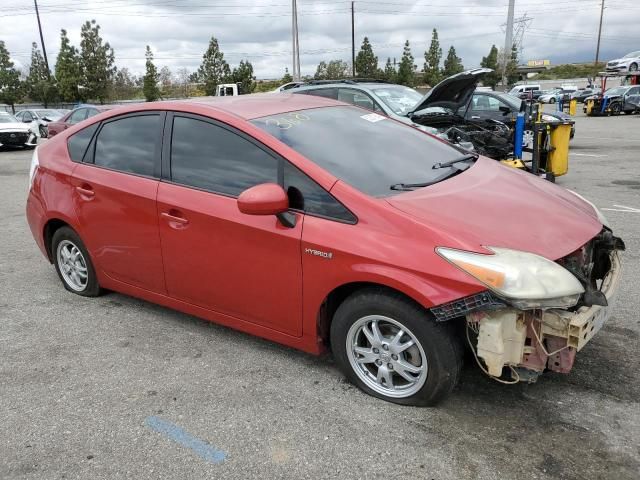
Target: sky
178, 31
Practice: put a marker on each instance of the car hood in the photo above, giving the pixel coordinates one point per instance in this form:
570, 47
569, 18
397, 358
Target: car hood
453, 92
498, 206
14, 127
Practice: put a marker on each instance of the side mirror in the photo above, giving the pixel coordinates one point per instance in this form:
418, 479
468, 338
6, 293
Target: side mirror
267, 199
504, 110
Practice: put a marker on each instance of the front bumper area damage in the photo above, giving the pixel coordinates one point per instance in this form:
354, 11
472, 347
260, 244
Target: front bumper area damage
514, 345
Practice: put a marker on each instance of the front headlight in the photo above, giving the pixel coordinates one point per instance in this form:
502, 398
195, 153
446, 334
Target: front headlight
601, 218
524, 279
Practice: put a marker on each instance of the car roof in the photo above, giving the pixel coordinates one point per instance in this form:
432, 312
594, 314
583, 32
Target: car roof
246, 107
339, 84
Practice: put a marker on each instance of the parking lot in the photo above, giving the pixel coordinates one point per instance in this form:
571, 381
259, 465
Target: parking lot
114, 387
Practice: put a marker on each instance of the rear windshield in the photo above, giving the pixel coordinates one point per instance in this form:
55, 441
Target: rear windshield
371, 152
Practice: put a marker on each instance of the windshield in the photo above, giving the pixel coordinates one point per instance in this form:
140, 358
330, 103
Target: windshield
50, 114
371, 152
7, 118
616, 91
632, 55
401, 100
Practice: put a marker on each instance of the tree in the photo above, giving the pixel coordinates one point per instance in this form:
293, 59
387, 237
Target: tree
150, 88
389, 73
244, 75
165, 78
214, 69
366, 61
39, 84
124, 84
512, 66
337, 69
287, 78
10, 84
432, 57
405, 70
321, 71
452, 64
491, 61
68, 73
96, 60
183, 81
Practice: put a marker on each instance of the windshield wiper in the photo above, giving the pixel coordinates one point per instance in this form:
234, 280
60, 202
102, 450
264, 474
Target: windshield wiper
463, 158
412, 186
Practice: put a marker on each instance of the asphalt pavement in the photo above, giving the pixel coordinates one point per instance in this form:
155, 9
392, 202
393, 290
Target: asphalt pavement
115, 387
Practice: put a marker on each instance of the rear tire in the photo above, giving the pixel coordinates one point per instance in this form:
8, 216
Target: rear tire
73, 263
419, 367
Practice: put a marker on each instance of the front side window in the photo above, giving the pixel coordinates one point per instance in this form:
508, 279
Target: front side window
354, 97
323, 92
369, 151
78, 116
306, 195
129, 144
213, 158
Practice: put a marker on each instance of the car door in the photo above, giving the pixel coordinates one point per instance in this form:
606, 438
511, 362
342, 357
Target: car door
244, 266
632, 99
115, 198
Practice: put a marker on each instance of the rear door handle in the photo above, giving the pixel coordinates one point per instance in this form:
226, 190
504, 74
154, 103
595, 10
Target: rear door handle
174, 216
88, 193
475, 117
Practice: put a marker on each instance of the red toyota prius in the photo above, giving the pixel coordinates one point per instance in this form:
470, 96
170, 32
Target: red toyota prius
323, 226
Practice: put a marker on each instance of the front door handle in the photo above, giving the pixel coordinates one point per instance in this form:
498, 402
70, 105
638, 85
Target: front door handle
86, 192
173, 217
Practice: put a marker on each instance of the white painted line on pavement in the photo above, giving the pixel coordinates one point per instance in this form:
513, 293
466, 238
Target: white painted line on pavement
623, 208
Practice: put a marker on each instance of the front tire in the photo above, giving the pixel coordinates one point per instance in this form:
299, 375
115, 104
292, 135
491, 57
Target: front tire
552, 100
392, 349
73, 263
633, 67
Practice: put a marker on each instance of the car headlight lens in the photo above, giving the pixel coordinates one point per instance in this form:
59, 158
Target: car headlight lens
524, 279
601, 218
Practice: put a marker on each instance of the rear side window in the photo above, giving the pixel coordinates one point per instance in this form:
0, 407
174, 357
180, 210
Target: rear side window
306, 195
129, 144
210, 157
78, 142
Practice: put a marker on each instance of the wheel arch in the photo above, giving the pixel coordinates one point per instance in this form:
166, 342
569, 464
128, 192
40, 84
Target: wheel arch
49, 229
340, 293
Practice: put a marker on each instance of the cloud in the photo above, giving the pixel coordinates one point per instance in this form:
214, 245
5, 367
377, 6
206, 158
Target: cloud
260, 30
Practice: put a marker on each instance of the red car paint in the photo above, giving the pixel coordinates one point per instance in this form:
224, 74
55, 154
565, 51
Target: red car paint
194, 251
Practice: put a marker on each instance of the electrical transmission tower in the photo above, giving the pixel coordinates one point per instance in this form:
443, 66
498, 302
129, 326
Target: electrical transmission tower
520, 25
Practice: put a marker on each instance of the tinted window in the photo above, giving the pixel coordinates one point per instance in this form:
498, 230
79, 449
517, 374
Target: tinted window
26, 116
367, 150
78, 142
78, 116
129, 144
213, 158
91, 112
323, 92
306, 195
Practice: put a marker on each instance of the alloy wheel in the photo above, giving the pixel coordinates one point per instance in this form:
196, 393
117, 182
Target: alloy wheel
73, 266
386, 356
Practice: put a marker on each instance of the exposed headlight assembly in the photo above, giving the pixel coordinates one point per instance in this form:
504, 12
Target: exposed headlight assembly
524, 279
601, 218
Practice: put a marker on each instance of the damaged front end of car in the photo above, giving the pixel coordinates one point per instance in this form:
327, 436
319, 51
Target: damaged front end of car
517, 339
439, 111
